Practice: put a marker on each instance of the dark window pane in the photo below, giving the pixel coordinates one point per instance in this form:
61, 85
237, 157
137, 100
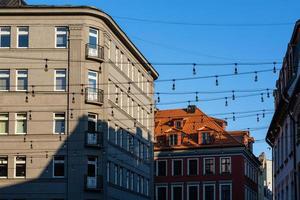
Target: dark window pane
193, 165
177, 193
193, 193
209, 193
177, 168
5, 41
225, 192
162, 168
161, 193
23, 41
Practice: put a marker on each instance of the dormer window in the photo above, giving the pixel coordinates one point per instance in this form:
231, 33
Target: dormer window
178, 124
173, 139
206, 139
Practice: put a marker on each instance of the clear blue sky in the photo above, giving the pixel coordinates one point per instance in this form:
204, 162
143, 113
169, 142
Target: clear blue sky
205, 44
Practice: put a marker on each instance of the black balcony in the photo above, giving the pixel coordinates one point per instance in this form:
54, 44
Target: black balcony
94, 96
93, 183
95, 52
93, 139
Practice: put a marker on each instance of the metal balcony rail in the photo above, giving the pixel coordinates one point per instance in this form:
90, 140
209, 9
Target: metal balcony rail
94, 95
94, 51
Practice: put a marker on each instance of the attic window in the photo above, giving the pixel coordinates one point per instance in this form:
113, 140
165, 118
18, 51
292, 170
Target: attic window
178, 124
173, 139
206, 138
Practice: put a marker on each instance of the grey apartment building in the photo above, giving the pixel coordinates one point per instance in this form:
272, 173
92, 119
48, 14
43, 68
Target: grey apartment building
76, 106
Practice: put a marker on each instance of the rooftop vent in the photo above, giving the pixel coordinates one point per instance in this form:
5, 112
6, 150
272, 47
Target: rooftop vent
191, 109
12, 3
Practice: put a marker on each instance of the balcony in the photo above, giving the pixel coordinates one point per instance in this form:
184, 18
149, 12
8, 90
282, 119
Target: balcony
94, 96
93, 139
94, 52
93, 183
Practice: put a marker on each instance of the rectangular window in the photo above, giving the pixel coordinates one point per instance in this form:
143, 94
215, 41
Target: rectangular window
121, 177
205, 138
209, 192
138, 184
225, 191
127, 179
4, 80
116, 172
21, 123
131, 181
108, 164
20, 167
23, 37
177, 167
22, 80
161, 168
92, 166
173, 139
176, 193
58, 166
60, 80
59, 123
3, 123
61, 37
4, 37
147, 187
3, 167
225, 165
193, 192
92, 86
161, 193
192, 167
209, 166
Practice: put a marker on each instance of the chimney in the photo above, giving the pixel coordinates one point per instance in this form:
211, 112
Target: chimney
191, 109
12, 3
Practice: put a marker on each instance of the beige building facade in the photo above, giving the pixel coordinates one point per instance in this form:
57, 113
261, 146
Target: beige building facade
76, 107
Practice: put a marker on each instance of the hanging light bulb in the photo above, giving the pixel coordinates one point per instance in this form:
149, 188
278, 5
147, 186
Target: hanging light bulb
197, 98
100, 69
112, 111
233, 95
189, 103
26, 98
226, 101
257, 117
71, 115
151, 109
158, 98
194, 69
128, 89
263, 115
73, 97
117, 98
32, 91
262, 97
173, 86
233, 116
235, 68
256, 77
46, 65
268, 93
217, 81
30, 117
274, 68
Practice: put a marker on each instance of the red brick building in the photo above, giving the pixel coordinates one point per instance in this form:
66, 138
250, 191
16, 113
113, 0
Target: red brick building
196, 158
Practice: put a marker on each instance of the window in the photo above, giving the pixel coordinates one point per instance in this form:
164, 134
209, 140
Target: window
23, 39
4, 37
4, 80
131, 180
20, 167
59, 123
173, 139
225, 191
108, 164
116, 171
92, 86
121, 177
21, 123
192, 167
178, 124
61, 37
209, 166
22, 80
127, 179
93, 42
147, 187
177, 167
3, 123
192, 192
92, 166
205, 138
176, 193
58, 166
209, 192
138, 184
60, 80
161, 193
3, 167
225, 165
161, 168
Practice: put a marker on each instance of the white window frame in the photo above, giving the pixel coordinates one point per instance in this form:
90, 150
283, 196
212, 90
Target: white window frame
214, 162
96, 35
56, 75
5, 76
220, 164
54, 118
5, 117
21, 118
161, 186
172, 188
21, 76
188, 192
220, 186
181, 166
157, 161
22, 33
172, 141
5, 33
20, 162
209, 184
53, 165
61, 33
188, 166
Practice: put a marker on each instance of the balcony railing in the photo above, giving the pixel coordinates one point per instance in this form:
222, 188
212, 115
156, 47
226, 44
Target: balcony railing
93, 183
93, 95
94, 51
94, 139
